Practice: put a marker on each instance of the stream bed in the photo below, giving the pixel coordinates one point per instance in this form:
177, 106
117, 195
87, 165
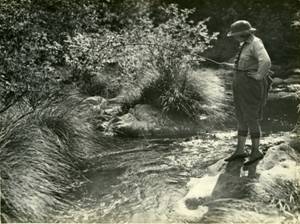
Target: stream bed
143, 180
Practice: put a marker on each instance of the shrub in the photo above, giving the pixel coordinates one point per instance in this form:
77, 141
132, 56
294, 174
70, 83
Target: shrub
170, 48
32, 43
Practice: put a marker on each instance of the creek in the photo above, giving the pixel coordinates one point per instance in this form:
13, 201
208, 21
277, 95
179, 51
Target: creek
142, 180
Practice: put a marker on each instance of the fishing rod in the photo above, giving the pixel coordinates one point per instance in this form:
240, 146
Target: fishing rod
169, 48
208, 59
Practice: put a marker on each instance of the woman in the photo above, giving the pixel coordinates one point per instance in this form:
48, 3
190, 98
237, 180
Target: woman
250, 88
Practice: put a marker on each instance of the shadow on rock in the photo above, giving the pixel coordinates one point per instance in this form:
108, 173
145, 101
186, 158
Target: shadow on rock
267, 192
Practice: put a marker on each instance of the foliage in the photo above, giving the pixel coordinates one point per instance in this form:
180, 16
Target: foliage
29, 55
43, 153
276, 23
107, 47
171, 48
32, 43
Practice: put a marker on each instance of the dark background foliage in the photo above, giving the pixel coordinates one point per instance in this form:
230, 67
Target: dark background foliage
274, 21
34, 38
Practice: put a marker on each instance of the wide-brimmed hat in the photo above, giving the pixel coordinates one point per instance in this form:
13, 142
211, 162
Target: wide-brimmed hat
240, 27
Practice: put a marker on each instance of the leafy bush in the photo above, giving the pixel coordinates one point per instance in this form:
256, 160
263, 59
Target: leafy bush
273, 20
32, 43
106, 48
170, 48
29, 55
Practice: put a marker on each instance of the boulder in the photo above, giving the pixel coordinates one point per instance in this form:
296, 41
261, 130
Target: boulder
266, 192
293, 72
146, 120
277, 81
294, 79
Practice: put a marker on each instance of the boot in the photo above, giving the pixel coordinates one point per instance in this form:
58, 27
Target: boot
255, 155
240, 150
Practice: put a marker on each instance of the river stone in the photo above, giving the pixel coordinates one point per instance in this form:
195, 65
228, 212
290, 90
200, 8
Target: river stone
294, 79
294, 71
146, 120
283, 95
231, 195
142, 119
95, 100
277, 81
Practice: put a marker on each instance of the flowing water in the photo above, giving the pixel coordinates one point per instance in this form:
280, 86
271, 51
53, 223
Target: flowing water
143, 180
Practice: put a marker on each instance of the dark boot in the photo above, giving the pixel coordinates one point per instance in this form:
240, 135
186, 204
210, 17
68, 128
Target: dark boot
255, 155
240, 150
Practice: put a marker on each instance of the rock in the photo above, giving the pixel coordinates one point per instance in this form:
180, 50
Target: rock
292, 72
294, 87
95, 100
295, 79
295, 140
296, 71
141, 120
283, 95
113, 110
145, 112
146, 120
277, 81
235, 196
128, 125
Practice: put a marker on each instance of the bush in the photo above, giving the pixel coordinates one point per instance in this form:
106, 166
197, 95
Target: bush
32, 44
274, 20
170, 49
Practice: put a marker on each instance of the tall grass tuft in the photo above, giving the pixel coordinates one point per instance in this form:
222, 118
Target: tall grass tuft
191, 94
42, 154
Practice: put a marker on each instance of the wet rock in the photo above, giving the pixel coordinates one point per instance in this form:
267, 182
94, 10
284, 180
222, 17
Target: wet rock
146, 120
283, 95
293, 72
230, 194
113, 110
140, 119
295, 140
277, 81
294, 79
95, 100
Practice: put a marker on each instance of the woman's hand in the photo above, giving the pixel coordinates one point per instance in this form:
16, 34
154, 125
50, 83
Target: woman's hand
227, 65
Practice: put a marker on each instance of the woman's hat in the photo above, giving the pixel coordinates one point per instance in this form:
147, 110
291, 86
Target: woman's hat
240, 27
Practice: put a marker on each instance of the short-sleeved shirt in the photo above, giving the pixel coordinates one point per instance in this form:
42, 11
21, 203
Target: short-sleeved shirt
254, 57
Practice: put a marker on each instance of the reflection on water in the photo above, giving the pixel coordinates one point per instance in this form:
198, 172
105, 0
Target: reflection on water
143, 180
